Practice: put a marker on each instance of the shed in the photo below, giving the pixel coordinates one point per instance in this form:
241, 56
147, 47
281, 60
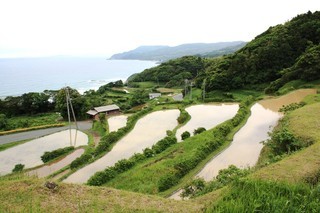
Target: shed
109, 109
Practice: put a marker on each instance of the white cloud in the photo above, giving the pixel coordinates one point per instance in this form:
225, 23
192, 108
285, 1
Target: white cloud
46, 27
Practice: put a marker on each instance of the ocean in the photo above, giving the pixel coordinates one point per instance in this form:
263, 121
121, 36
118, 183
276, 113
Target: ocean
23, 75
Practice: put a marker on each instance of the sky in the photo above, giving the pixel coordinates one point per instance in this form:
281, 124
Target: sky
31, 28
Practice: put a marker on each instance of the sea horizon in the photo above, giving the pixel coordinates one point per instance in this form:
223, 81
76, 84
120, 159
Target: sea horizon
36, 74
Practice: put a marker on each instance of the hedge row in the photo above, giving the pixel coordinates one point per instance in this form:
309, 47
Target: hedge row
48, 156
123, 165
186, 164
30, 129
107, 140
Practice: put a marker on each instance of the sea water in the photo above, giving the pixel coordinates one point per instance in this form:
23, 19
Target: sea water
23, 75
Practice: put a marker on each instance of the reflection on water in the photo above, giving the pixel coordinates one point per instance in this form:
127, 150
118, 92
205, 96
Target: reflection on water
245, 148
30, 153
56, 166
117, 122
207, 116
148, 130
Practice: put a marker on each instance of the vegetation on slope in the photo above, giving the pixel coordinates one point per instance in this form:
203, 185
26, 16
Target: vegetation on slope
280, 54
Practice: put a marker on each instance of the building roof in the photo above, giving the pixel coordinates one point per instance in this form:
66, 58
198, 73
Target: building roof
92, 112
155, 94
106, 108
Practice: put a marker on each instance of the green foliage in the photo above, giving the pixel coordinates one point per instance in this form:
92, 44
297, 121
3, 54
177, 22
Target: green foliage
18, 168
167, 181
283, 141
48, 156
83, 159
26, 104
25, 121
199, 187
3, 121
163, 144
262, 196
291, 107
199, 130
100, 178
270, 56
80, 103
173, 72
183, 117
185, 135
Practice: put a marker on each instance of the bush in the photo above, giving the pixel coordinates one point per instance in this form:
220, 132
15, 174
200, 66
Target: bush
283, 141
102, 177
199, 130
183, 117
18, 168
163, 144
185, 135
148, 152
83, 159
48, 156
123, 165
167, 181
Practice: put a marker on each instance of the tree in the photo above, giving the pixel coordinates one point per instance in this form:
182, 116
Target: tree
3, 121
79, 103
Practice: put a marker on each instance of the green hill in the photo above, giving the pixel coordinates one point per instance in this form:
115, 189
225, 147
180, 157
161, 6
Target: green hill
283, 53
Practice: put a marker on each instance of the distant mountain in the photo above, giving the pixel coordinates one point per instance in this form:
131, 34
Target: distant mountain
165, 53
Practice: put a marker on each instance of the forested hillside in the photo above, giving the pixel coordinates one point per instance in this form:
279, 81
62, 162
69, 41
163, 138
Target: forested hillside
282, 53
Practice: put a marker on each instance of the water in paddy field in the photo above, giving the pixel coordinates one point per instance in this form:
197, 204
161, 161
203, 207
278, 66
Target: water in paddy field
23, 75
147, 131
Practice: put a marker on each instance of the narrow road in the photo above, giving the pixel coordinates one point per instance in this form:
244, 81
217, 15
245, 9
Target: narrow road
82, 125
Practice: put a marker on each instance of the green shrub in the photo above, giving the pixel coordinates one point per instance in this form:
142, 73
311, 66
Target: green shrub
167, 181
83, 159
183, 117
123, 165
283, 141
185, 135
199, 130
102, 177
163, 144
48, 156
18, 168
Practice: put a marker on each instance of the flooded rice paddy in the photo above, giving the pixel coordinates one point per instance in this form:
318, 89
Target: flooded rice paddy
207, 116
53, 167
245, 148
148, 130
117, 122
29, 154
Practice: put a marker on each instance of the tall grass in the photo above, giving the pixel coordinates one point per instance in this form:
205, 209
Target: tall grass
267, 196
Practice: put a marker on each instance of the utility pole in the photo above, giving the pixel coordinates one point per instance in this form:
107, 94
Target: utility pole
204, 89
69, 105
191, 90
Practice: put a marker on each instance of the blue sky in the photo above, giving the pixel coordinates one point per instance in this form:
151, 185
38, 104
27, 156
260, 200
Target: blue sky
105, 27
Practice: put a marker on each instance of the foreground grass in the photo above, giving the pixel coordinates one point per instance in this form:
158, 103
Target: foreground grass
25, 194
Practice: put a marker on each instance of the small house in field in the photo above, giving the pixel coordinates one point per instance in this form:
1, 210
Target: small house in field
109, 110
154, 95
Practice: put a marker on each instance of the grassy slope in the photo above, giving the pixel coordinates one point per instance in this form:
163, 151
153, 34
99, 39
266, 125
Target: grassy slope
26, 194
